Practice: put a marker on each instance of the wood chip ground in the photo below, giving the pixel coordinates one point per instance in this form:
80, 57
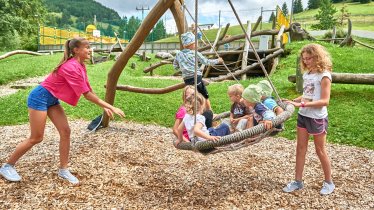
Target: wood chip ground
134, 166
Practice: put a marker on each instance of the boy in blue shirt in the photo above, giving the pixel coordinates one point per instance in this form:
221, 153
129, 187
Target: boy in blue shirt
185, 61
267, 99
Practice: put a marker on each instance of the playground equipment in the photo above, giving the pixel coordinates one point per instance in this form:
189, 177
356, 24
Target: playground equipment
241, 138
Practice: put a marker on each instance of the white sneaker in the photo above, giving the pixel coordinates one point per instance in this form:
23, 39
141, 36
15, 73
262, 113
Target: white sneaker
327, 188
292, 186
9, 173
65, 174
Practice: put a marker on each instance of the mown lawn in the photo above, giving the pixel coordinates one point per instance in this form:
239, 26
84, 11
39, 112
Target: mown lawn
350, 110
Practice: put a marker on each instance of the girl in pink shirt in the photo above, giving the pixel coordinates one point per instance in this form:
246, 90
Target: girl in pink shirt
67, 82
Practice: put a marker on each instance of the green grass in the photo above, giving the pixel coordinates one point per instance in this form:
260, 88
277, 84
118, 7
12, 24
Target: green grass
23, 66
361, 15
350, 110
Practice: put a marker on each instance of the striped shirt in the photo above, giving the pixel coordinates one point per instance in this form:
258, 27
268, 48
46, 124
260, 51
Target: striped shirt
185, 61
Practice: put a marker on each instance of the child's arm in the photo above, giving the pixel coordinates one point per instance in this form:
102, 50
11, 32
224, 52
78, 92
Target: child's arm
203, 60
109, 109
198, 132
177, 123
176, 63
180, 134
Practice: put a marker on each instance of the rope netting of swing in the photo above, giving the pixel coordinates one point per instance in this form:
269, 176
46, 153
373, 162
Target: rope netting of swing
240, 139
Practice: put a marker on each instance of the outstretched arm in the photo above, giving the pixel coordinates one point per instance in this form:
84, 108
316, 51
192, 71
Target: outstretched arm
109, 109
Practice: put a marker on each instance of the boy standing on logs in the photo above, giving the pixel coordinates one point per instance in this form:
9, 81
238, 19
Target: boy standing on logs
185, 61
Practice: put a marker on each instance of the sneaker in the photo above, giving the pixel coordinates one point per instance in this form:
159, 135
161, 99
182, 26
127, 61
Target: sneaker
65, 174
9, 173
292, 186
327, 188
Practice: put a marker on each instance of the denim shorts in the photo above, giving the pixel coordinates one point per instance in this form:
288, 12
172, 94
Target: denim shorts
41, 99
312, 125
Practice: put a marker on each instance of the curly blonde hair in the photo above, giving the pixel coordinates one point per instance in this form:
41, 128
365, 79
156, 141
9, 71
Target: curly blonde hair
190, 103
236, 89
321, 57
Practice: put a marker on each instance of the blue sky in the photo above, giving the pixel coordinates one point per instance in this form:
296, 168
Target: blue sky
208, 10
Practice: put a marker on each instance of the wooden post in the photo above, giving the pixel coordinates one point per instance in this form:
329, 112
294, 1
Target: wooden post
141, 34
245, 50
299, 76
211, 50
333, 35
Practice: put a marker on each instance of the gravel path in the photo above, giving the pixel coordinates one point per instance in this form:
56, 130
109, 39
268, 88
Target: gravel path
132, 166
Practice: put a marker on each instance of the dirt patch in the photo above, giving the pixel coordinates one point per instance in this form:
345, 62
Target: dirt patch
132, 166
13, 87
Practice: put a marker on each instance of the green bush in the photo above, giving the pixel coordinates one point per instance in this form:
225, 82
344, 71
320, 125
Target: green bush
10, 41
339, 34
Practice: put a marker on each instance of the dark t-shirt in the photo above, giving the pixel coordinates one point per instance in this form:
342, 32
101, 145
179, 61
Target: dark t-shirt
239, 110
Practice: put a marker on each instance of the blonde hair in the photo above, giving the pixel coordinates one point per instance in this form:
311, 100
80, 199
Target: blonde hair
69, 45
236, 89
321, 56
185, 89
190, 103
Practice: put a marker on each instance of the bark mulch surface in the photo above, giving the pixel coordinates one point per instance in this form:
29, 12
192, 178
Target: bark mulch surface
134, 166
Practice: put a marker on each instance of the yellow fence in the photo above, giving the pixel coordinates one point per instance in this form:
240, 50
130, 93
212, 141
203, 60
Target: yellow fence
282, 20
55, 36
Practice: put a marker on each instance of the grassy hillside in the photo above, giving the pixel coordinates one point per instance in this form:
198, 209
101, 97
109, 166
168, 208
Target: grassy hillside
211, 34
349, 108
362, 15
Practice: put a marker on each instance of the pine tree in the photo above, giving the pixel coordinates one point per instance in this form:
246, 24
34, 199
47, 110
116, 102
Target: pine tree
272, 16
285, 9
123, 28
325, 16
297, 6
314, 4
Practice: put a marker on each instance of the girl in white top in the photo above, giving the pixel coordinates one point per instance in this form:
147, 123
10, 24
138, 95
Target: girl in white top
312, 117
198, 131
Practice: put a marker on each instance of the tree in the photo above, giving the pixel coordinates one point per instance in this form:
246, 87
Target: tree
344, 15
364, 1
132, 27
272, 16
158, 32
297, 6
337, 1
65, 20
314, 4
123, 27
325, 16
285, 9
19, 20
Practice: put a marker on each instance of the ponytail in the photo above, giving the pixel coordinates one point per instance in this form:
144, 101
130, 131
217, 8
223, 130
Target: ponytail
69, 45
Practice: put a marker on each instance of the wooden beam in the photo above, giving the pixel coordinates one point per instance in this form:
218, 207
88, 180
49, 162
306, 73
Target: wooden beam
18, 52
242, 36
252, 66
147, 25
245, 50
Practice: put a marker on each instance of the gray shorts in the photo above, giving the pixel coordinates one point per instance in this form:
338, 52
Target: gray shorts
313, 126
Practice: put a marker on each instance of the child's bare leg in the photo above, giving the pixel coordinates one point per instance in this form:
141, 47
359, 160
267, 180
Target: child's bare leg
301, 149
319, 142
207, 105
37, 125
249, 122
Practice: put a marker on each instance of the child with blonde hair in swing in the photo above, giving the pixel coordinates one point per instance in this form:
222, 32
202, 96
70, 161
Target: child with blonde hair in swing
199, 131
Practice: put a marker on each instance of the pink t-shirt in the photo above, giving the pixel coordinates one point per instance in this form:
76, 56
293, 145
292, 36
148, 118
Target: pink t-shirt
180, 115
69, 82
